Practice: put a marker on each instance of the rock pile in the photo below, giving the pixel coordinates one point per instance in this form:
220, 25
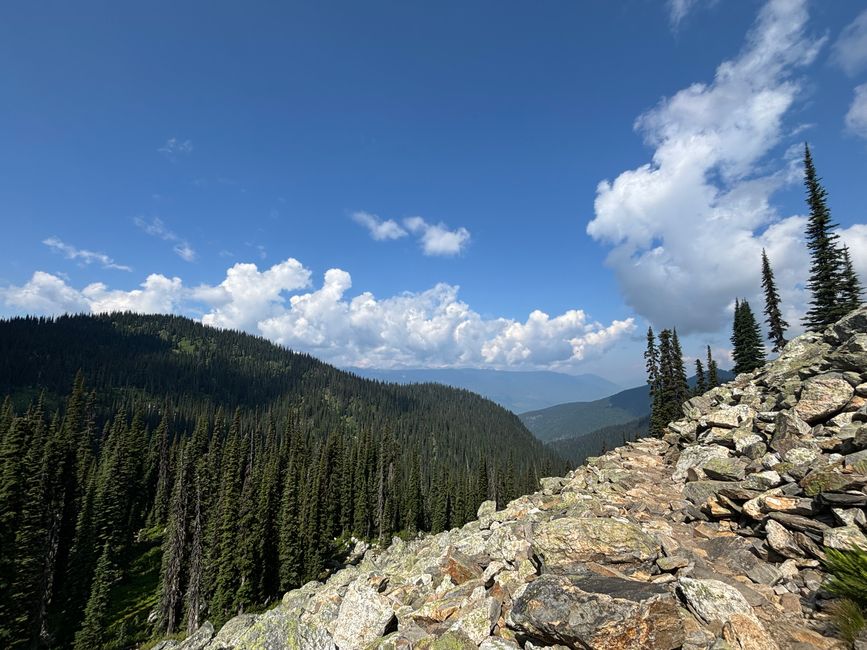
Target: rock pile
708, 538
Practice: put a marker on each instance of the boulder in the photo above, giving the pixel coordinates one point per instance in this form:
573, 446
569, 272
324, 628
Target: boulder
229, 635
477, 619
565, 544
364, 615
713, 600
730, 417
278, 629
747, 633
823, 396
781, 540
198, 639
604, 613
844, 538
725, 469
697, 456
459, 567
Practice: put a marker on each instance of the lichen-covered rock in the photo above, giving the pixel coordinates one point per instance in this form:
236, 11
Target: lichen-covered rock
364, 615
198, 639
229, 635
844, 538
597, 612
477, 619
278, 629
566, 543
823, 396
459, 567
713, 600
697, 456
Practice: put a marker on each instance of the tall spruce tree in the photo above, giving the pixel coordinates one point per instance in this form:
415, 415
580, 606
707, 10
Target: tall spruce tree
826, 260
651, 359
774, 318
712, 371
681, 385
700, 379
748, 352
850, 286
92, 632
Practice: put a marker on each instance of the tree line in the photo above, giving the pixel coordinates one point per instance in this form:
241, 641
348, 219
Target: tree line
835, 290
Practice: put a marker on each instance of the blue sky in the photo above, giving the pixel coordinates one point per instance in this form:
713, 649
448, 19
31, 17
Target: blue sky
151, 154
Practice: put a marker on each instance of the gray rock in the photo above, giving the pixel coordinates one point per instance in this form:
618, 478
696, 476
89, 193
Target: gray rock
781, 540
364, 616
725, 469
845, 538
597, 612
566, 544
823, 396
697, 456
713, 600
229, 635
198, 639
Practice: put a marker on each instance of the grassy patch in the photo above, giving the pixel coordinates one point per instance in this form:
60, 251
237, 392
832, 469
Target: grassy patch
135, 596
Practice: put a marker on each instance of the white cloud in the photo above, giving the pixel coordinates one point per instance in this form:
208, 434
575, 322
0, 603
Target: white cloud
157, 228
158, 295
429, 328
850, 50
82, 255
43, 294
856, 117
174, 147
686, 229
679, 9
437, 239
379, 230
248, 295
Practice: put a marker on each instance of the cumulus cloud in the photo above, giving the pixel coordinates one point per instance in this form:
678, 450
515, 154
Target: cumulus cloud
249, 295
856, 117
428, 328
686, 230
157, 228
82, 255
379, 229
174, 147
44, 294
850, 49
437, 239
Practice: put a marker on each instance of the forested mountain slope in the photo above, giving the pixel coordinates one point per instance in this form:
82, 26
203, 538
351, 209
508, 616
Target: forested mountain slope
576, 419
151, 464
518, 391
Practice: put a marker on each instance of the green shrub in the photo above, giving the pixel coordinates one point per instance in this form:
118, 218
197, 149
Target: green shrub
848, 574
848, 618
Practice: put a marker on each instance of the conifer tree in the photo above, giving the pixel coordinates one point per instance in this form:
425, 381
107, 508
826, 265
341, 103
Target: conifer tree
826, 263
651, 359
92, 632
700, 380
850, 286
748, 352
712, 371
681, 386
774, 318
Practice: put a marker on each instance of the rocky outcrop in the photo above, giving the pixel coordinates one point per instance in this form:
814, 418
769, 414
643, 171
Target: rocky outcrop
708, 538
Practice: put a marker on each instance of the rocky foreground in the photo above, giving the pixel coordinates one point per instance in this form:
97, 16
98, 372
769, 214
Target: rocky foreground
710, 537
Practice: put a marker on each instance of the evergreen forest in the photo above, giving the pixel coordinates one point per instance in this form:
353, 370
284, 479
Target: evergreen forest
155, 472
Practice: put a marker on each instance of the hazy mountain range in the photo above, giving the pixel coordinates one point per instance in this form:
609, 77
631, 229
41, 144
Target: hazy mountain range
517, 391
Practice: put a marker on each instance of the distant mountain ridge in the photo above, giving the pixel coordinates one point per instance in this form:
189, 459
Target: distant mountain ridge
518, 391
575, 419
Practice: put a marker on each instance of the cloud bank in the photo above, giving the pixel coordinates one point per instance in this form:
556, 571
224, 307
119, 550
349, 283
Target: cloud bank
686, 229
432, 328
